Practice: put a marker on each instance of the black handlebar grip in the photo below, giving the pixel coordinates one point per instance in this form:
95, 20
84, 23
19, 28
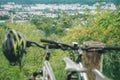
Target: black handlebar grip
112, 48
48, 41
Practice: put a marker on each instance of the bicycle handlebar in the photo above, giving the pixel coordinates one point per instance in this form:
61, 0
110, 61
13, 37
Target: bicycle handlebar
56, 45
50, 46
61, 45
67, 46
29, 43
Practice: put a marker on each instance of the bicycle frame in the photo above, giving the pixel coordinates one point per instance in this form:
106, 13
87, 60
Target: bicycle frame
46, 72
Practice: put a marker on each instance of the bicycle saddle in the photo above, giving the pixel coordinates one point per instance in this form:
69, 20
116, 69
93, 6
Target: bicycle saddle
72, 66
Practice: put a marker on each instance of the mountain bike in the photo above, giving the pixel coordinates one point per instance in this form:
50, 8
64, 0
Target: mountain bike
14, 48
75, 69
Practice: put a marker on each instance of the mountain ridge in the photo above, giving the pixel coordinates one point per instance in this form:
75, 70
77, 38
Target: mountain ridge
59, 1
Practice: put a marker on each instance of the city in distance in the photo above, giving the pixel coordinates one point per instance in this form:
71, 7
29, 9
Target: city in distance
25, 12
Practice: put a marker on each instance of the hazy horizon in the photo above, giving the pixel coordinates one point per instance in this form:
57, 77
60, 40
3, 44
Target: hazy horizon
89, 2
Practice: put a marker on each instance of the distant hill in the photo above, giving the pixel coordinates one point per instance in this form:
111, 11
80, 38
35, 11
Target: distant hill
58, 1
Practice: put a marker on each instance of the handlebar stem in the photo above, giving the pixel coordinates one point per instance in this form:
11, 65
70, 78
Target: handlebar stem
47, 57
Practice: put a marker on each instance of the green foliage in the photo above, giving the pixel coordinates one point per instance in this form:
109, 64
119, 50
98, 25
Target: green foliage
44, 24
65, 20
113, 61
51, 26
